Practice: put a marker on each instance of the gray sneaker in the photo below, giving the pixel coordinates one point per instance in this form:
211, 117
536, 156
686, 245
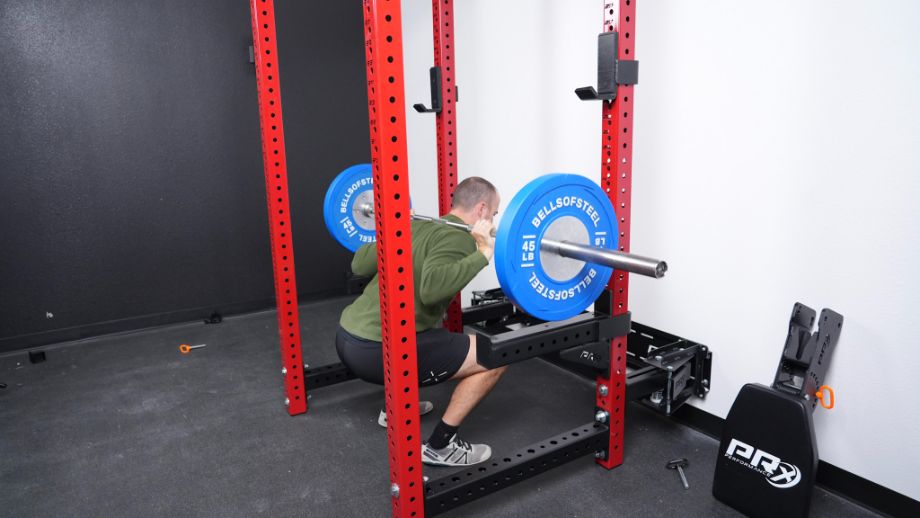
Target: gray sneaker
457, 453
423, 408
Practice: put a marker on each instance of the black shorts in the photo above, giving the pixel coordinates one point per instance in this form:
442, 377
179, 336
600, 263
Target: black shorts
440, 355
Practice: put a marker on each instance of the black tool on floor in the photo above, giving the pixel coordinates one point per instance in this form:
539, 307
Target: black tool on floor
679, 465
2, 385
215, 318
37, 356
768, 455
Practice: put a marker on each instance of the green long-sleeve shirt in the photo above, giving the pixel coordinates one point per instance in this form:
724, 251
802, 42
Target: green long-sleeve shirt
444, 260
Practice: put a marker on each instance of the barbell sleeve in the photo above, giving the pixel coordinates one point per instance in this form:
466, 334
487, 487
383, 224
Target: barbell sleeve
615, 259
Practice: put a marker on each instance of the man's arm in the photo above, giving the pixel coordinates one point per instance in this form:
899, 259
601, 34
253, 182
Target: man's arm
448, 270
365, 260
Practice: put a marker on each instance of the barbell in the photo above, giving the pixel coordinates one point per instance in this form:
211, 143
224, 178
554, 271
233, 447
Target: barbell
590, 254
555, 247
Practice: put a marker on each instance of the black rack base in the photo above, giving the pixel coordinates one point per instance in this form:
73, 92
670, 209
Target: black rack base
460, 488
326, 375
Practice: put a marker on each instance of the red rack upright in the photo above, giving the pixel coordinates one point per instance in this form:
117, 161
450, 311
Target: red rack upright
446, 122
268, 83
616, 178
389, 158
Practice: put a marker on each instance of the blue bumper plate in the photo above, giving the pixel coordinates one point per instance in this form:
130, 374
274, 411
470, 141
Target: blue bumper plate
343, 219
571, 208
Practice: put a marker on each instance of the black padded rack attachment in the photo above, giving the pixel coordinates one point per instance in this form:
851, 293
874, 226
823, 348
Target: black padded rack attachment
806, 355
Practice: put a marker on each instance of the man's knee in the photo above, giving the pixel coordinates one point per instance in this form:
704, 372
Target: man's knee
497, 371
471, 366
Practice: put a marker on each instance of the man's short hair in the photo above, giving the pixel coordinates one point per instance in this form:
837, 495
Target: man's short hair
472, 191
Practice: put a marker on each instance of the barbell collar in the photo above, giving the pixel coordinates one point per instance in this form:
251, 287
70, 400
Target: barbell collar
615, 259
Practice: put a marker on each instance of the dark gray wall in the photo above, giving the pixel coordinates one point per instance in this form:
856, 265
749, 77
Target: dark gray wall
131, 183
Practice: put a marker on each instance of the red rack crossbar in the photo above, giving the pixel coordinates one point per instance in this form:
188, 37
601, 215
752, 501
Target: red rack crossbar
616, 179
389, 158
265, 50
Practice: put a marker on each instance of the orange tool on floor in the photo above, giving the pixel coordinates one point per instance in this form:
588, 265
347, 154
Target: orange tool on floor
186, 348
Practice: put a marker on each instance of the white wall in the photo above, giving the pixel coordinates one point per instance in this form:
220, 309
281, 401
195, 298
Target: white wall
777, 152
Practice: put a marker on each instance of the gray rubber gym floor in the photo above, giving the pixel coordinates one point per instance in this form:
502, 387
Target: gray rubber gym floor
125, 426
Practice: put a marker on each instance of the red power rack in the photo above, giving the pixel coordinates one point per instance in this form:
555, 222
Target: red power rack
386, 111
389, 158
616, 178
268, 83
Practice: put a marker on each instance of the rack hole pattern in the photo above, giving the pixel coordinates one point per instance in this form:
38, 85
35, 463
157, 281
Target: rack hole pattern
616, 179
560, 341
467, 485
325, 375
276, 188
386, 111
445, 122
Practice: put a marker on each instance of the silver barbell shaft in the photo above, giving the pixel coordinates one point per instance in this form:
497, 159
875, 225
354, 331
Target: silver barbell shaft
449, 223
590, 254
368, 210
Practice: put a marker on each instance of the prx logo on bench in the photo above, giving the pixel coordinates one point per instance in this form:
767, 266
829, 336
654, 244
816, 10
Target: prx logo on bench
778, 474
